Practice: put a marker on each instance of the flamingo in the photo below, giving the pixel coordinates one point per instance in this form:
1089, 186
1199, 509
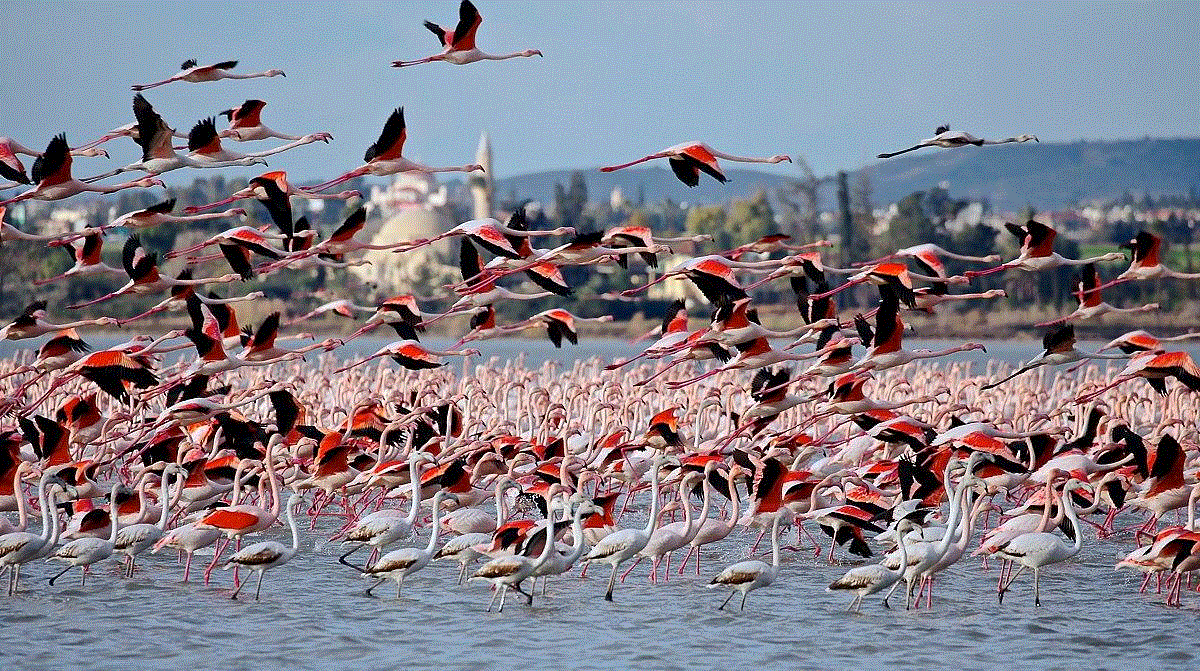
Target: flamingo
412, 355
385, 157
559, 324
245, 124
11, 167
399, 564
268, 554
873, 578
885, 342
21, 547
204, 144
1145, 263
144, 277
1039, 549
85, 551
157, 215
1037, 251
86, 260
191, 72
458, 45
1091, 305
944, 137
747, 576
158, 155
1155, 367
52, 174
134, 539
32, 323
689, 159
1142, 341
272, 189
511, 571
384, 527
624, 544
1058, 347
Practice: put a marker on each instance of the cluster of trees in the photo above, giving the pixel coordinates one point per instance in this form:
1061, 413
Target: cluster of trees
796, 209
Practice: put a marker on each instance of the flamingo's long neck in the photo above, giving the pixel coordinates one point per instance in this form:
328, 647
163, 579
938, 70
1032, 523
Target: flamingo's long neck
695, 524
291, 518
652, 523
775, 542
736, 510
414, 492
437, 524
114, 516
44, 500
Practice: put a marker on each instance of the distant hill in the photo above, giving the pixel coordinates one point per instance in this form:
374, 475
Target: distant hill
1046, 175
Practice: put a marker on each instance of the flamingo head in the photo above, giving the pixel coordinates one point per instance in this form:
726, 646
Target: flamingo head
531, 52
780, 158
274, 73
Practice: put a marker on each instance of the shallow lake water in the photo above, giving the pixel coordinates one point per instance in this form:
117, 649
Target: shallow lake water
314, 614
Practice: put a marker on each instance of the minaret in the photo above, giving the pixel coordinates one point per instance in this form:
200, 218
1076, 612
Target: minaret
482, 187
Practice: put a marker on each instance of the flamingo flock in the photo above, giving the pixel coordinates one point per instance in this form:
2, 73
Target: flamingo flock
534, 471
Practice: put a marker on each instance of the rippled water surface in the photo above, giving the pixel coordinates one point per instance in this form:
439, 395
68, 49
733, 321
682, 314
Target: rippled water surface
314, 614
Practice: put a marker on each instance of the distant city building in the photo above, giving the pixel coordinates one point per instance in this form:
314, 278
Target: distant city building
413, 207
482, 185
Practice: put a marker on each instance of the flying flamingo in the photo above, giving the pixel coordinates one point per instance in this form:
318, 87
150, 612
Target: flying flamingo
885, 348
944, 137
272, 189
156, 215
1146, 264
158, 155
1058, 347
499, 239
385, 157
1155, 367
458, 45
689, 159
178, 299
559, 324
1141, 341
245, 124
931, 253
144, 276
393, 311
11, 167
190, 72
52, 172
86, 260
643, 237
1037, 251
713, 275
204, 143
1091, 305
412, 355
32, 323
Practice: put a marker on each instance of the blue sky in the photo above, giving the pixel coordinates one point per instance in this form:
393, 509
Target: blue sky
833, 82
